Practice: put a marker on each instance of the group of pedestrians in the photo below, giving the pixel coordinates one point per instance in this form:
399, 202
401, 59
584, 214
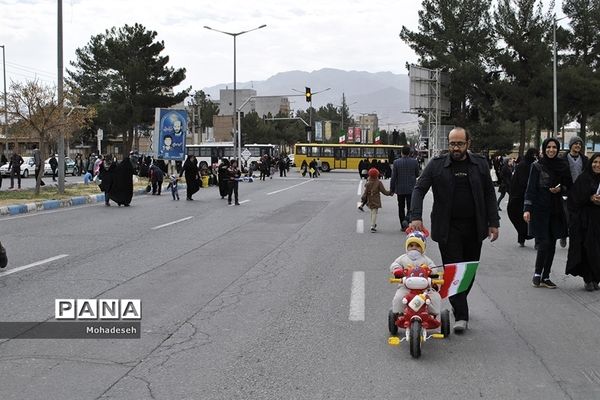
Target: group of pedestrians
538, 210
312, 168
384, 168
465, 207
115, 180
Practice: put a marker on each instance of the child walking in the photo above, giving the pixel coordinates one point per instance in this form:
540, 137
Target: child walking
371, 196
173, 186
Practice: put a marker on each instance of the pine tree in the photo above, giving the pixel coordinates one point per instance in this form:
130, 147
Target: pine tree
122, 73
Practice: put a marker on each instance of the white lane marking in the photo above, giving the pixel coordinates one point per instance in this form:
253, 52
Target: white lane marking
35, 264
360, 187
171, 223
241, 202
357, 297
360, 226
281, 190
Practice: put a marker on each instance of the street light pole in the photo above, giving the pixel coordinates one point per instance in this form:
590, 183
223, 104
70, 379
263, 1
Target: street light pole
555, 100
5, 103
61, 135
236, 132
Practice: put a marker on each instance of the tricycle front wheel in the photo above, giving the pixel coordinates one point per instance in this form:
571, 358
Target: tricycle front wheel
416, 331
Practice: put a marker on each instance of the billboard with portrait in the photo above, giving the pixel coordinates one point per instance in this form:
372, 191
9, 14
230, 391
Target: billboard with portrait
170, 127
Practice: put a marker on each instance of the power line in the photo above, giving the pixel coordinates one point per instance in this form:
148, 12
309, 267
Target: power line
25, 67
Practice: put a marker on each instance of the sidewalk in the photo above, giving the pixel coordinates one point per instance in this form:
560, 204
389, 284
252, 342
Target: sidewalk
42, 205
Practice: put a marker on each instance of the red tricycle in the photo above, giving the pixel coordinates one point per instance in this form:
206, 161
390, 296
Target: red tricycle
416, 318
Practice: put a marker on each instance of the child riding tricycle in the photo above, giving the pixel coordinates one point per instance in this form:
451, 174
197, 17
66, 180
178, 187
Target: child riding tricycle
416, 305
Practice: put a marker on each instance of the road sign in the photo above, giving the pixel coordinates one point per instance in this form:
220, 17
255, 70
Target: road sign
246, 153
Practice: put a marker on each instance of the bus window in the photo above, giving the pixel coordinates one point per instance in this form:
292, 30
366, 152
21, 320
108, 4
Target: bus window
206, 151
380, 152
228, 152
314, 152
368, 152
326, 151
254, 151
354, 152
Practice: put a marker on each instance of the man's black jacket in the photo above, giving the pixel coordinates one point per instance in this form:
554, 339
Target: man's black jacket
438, 175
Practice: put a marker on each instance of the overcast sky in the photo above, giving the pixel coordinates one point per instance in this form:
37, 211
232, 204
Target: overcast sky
300, 35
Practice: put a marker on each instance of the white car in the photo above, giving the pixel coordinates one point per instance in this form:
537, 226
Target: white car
27, 168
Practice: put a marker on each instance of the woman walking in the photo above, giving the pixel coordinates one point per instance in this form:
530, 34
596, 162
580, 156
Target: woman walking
222, 174
192, 178
549, 180
584, 225
506, 176
516, 195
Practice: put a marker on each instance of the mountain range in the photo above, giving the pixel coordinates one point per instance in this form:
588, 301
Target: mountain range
383, 93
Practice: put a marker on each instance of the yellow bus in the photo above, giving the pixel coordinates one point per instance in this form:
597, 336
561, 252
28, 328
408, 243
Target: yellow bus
343, 156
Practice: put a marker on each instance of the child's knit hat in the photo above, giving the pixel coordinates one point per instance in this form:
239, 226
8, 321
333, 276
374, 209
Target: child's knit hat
374, 173
416, 237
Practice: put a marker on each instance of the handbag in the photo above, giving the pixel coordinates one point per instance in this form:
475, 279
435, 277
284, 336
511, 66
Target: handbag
148, 188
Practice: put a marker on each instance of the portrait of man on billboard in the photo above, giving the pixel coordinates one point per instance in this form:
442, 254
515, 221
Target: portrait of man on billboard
171, 134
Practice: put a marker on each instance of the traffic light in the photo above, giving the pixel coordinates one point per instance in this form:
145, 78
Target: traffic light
308, 95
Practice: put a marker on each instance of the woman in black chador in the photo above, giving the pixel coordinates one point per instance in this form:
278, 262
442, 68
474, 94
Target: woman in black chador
121, 183
223, 175
584, 225
192, 177
518, 184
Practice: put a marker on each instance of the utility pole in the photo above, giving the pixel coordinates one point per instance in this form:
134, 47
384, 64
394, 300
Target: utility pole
61, 134
5, 103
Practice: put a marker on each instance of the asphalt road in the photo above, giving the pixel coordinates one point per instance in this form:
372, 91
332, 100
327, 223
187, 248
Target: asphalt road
256, 302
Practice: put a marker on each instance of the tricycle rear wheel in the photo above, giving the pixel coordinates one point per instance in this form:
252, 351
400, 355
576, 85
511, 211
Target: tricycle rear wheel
393, 328
445, 323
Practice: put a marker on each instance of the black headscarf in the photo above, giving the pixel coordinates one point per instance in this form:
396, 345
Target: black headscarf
530, 155
557, 167
588, 166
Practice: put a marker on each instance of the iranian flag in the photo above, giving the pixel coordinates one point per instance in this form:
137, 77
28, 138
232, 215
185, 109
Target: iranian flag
458, 277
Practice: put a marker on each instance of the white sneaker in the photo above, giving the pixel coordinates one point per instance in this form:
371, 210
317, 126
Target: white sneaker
460, 326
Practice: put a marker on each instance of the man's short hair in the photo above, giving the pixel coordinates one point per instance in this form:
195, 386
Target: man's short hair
405, 150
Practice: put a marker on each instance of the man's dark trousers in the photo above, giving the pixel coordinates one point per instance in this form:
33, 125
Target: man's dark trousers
403, 199
463, 245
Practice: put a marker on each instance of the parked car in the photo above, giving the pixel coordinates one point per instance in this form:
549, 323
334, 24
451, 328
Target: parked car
27, 168
290, 157
71, 166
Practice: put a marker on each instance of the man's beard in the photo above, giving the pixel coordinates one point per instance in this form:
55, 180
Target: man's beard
458, 155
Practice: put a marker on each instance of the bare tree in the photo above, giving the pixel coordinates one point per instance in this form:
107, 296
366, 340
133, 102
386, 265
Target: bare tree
35, 109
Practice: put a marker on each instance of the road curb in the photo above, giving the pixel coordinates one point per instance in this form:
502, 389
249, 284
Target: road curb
43, 205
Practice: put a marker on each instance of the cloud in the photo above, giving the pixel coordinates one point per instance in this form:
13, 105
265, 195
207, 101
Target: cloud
351, 35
